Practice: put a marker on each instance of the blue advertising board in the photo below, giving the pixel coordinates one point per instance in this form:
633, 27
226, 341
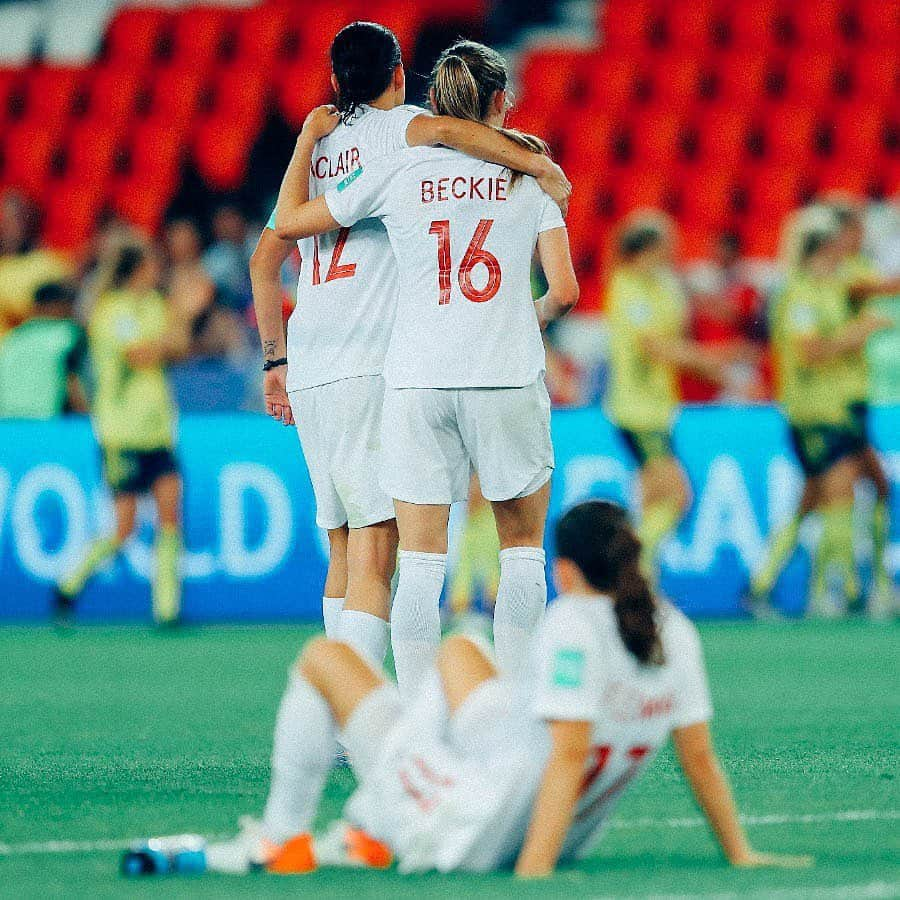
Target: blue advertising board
253, 552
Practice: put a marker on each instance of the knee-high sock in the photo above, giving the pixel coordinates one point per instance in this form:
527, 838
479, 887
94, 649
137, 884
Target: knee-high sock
331, 615
302, 754
416, 618
836, 549
97, 554
167, 584
521, 599
880, 530
779, 552
366, 633
657, 520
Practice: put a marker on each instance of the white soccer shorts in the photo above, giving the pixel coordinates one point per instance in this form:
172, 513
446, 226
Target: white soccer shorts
432, 439
339, 425
456, 804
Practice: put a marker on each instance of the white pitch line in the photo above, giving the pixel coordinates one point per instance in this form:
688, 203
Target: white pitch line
847, 815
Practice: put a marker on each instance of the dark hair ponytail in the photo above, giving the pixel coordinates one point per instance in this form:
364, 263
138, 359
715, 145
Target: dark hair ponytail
364, 56
463, 82
597, 537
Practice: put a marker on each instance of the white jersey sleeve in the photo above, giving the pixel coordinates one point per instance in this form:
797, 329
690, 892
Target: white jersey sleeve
363, 194
568, 666
551, 217
389, 129
692, 702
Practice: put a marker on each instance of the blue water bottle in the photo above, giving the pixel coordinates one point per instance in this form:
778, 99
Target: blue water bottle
183, 854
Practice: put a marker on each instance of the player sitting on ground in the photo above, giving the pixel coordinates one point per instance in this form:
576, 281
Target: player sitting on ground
483, 773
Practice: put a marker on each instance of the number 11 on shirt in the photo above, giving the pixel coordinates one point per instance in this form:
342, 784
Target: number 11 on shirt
475, 254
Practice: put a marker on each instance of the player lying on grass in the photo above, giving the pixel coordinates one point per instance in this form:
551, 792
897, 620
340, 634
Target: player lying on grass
481, 773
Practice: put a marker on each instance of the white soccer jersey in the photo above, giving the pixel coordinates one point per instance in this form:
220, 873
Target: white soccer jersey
583, 672
464, 239
347, 294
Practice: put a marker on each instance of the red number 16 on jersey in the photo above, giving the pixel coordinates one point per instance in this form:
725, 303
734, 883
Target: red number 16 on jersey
475, 255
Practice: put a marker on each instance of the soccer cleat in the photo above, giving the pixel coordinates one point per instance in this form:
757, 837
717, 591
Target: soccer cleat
293, 857
344, 846
247, 851
63, 606
182, 854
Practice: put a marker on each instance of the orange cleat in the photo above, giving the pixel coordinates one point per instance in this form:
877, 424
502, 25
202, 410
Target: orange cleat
294, 857
366, 850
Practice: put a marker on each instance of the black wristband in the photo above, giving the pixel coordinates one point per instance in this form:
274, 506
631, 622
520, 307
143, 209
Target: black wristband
274, 363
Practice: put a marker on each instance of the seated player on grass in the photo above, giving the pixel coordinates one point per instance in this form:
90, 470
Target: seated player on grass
481, 773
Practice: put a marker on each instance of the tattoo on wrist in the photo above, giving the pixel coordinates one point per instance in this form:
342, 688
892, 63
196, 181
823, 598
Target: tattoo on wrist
269, 349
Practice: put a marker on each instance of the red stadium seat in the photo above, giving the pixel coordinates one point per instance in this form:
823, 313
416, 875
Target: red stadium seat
642, 189
676, 80
404, 19
858, 134
811, 77
753, 24
693, 25
876, 76
313, 27
92, 153
705, 196
628, 23
553, 78
740, 78
135, 35
71, 219
657, 137
240, 93
722, 133
12, 90
788, 132
836, 175
141, 202
760, 235
29, 151
156, 152
176, 92
221, 151
819, 25
51, 92
774, 190
199, 33
261, 34
302, 86
112, 95
879, 23
615, 83
589, 144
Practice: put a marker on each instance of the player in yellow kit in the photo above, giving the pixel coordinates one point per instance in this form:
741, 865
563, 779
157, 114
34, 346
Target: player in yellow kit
649, 347
821, 274
132, 336
863, 282
813, 340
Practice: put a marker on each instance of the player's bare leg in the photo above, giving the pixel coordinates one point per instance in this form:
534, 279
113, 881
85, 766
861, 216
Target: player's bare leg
125, 513
665, 497
371, 561
835, 550
415, 616
326, 686
882, 602
522, 593
463, 667
335, 580
167, 491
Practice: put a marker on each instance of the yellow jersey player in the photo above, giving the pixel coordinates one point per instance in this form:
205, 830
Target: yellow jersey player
132, 336
812, 341
863, 282
648, 348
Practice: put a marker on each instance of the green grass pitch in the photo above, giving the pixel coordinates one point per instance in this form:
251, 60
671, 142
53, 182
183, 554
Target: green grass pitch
112, 733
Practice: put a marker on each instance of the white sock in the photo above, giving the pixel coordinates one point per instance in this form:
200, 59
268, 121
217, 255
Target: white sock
366, 633
521, 599
302, 754
416, 617
331, 614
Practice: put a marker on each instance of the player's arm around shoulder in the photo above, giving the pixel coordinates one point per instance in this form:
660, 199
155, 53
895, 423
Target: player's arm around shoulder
296, 216
490, 144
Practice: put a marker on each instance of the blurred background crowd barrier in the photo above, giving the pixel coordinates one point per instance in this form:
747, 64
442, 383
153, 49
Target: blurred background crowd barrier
253, 552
